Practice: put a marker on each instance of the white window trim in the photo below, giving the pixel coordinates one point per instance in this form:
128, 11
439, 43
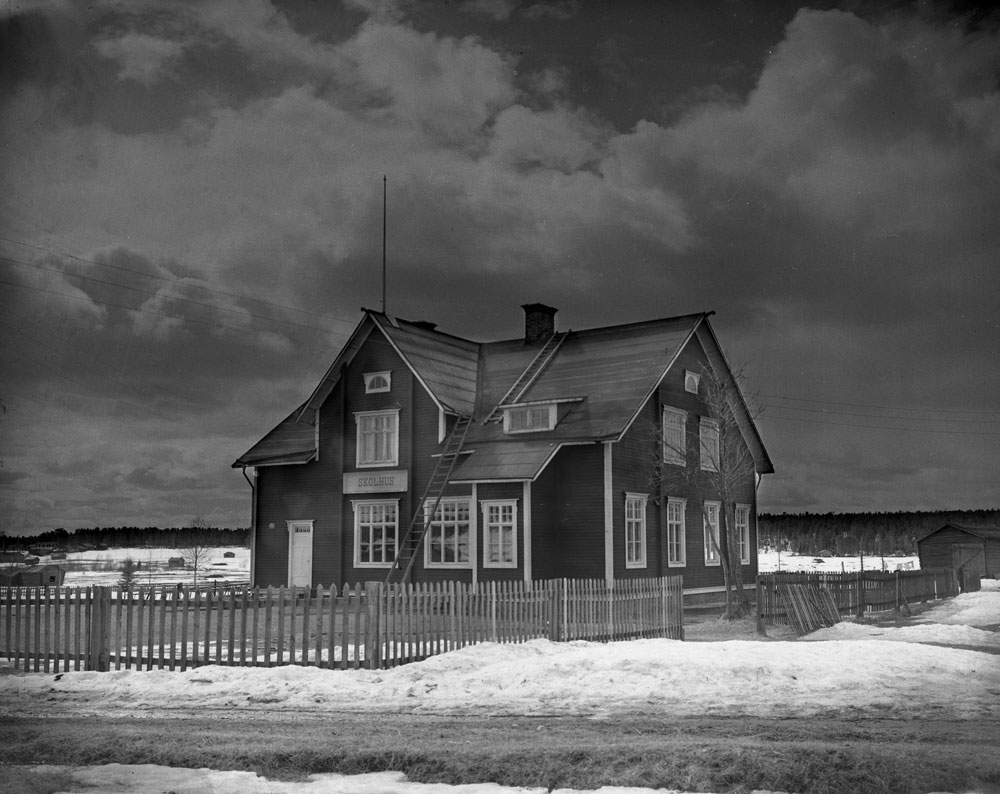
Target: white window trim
394, 412
708, 461
371, 376
671, 455
691, 378
427, 543
744, 532
356, 503
549, 426
682, 544
709, 549
486, 528
642, 499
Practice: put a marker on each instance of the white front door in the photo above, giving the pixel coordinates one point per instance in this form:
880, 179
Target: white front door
300, 553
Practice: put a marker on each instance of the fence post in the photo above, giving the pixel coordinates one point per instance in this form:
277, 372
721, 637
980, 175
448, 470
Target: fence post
373, 627
99, 639
760, 606
861, 594
555, 614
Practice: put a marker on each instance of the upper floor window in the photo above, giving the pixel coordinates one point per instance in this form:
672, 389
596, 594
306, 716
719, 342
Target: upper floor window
743, 532
378, 438
376, 382
529, 418
673, 436
635, 530
709, 433
691, 381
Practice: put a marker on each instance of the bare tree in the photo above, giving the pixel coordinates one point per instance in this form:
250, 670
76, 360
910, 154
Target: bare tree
719, 469
195, 555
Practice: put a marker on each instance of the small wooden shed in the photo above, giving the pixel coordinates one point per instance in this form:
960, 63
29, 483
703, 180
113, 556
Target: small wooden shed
973, 552
38, 576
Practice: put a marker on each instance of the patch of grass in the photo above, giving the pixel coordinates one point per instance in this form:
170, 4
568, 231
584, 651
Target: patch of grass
723, 755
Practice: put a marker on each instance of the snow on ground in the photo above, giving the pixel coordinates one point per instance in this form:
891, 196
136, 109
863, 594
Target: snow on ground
771, 560
103, 567
847, 670
140, 779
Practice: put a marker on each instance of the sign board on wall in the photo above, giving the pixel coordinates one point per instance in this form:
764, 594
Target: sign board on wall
375, 481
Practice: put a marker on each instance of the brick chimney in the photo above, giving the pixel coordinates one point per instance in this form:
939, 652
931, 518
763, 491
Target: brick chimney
539, 322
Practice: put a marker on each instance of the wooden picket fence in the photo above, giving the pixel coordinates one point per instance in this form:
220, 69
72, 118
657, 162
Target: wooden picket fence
370, 625
853, 594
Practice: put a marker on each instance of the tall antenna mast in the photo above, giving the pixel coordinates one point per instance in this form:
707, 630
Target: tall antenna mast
383, 243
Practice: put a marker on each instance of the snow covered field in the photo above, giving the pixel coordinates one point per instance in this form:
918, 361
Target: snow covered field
103, 567
848, 670
768, 561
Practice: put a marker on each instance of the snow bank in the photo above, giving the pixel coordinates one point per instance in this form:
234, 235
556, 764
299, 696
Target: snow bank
579, 678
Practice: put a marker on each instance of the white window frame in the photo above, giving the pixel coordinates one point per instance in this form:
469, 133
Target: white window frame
672, 454
393, 459
359, 504
635, 530
438, 525
532, 413
708, 435
506, 529
373, 384
710, 514
676, 528
742, 518
692, 380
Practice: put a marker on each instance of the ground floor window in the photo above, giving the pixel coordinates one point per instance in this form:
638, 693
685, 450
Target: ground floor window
447, 540
711, 513
743, 532
676, 552
635, 530
500, 534
376, 533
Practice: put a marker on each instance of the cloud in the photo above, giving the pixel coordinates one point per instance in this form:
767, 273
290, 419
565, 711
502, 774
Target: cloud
143, 58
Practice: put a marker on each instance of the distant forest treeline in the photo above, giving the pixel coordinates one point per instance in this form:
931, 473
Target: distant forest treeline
128, 537
850, 534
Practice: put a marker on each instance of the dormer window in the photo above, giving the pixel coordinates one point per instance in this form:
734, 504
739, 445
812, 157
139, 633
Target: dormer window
376, 382
691, 381
529, 418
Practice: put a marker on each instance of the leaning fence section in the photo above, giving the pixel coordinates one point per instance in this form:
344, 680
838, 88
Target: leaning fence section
368, 625
853, 594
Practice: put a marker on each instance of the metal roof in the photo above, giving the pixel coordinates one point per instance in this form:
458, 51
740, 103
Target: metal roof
446, 365
292, 441
505, 460
601, 378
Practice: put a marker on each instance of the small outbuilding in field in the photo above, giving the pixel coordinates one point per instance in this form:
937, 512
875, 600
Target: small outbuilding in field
35, 576
973, 552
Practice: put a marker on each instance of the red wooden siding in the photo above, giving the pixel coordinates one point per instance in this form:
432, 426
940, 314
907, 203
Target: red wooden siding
568, 517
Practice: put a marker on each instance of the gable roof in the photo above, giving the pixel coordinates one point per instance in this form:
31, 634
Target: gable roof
600, 378
984, 532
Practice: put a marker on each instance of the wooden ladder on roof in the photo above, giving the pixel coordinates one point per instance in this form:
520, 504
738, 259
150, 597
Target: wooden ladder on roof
527, 377
426, 508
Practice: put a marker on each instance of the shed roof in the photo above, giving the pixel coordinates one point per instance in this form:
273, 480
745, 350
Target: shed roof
293, 440
988, 532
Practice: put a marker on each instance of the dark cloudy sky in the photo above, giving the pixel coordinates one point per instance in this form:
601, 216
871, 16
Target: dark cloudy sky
191, 204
